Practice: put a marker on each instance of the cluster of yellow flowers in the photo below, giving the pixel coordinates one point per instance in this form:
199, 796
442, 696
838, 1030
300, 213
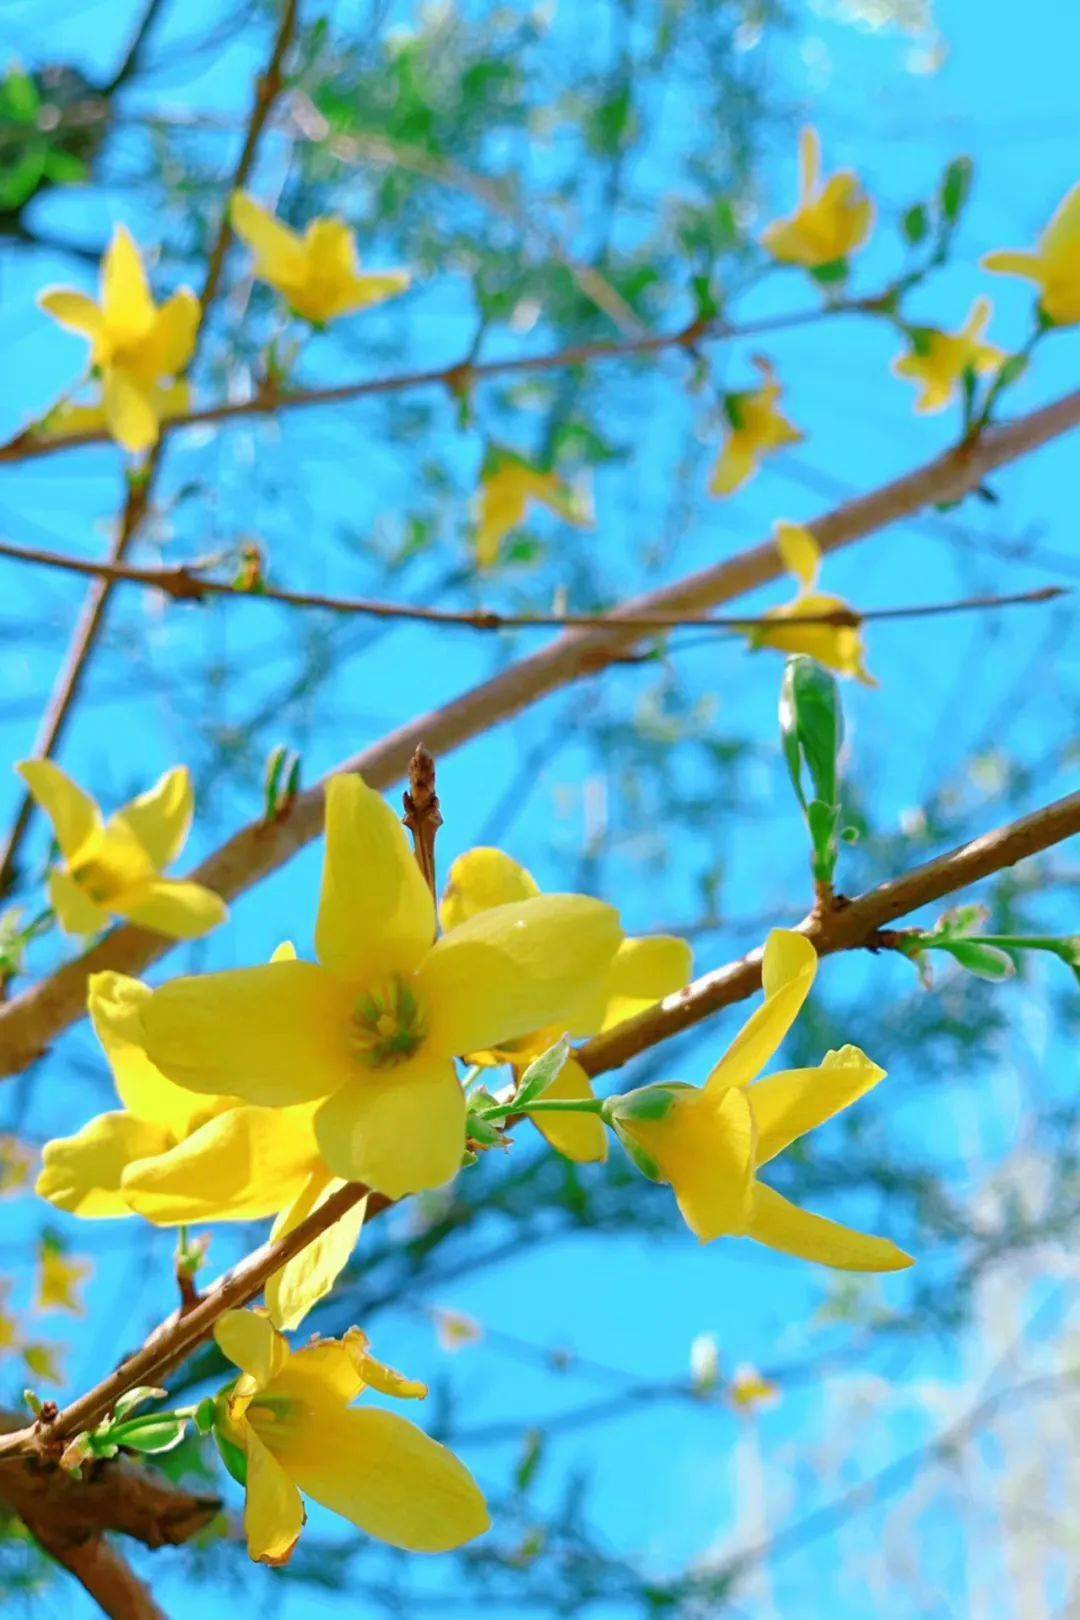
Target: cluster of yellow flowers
260, 1091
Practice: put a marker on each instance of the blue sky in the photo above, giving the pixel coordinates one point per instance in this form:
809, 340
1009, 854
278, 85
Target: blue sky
670, 1482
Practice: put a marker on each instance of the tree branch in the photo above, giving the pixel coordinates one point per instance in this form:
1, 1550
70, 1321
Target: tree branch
31, 1021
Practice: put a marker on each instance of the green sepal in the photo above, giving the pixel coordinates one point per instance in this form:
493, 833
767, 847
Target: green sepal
232, 1456
542, 1073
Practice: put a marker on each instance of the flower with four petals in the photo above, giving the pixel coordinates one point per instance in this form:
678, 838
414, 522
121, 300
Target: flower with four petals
838, 647
938, 361
831, 221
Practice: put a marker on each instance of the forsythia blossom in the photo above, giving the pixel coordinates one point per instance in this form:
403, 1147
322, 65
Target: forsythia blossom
757, 429
641, 972
371, 1031
137, 348
286, 1427
838, 646
508, 486
710, 1143
1054, 266
831, 221
114, 867
938, 360
318, 274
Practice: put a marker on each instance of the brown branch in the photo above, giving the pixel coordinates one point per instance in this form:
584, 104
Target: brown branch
423, 815
140, 484
269, 400
31, 1021
184, 583
855, 925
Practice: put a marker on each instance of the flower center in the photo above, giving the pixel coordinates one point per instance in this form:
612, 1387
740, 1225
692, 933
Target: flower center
387, 1024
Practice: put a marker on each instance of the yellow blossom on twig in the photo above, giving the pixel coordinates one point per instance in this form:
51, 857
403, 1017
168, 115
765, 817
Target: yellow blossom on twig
831, 221
318, 274
757, 428
938, 360
1054, 266
838, 647
60, 1278
509, 485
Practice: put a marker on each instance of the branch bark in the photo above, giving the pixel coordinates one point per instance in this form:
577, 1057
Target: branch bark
30, 1022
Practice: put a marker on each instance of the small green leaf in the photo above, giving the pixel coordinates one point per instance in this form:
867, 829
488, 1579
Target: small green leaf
830, 275
234, 1459
985, 961
530, 1459
136, 1397
542, 1073
149, 1434
915, 223
956, 188
206, 1415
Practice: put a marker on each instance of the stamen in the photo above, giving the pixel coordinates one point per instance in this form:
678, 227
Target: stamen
388, 1026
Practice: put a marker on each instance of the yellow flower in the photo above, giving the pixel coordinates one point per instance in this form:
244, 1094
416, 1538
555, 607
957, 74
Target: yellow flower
372, 1030
831, 221
135, 346
938, 360
837, 646
750, 1389
641, 972
508, 486
177, 1158
454, 1330
290, 1419
1054, 266
114, 867
709, 1143
318, 274
70, 419
758, 429
60, 1278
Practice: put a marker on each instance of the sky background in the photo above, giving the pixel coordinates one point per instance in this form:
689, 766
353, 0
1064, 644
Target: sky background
672, 1483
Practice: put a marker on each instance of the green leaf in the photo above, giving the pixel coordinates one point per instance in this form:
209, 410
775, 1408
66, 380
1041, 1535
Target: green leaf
956, 189
530, 1459
915, 223
813, 695
542, 1073
64, 168
830, 275
20, 97
481, 1130
149, 1434
206, 1415
959, 921
985, 961
234, 1459
136, 1397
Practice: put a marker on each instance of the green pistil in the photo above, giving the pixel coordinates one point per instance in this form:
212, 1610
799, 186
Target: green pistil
387, 1024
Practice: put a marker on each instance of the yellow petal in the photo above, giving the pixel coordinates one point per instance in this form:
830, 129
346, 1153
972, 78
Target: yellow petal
75, 911
787, 1105
241, 1165
81, 1173
125, 293
76, 819
800, 552
482, 878
160, 819
399, 1130
1005, 263
172, 906
384, 1475
115, 1004
73, 310
839, 647
1061, 238
581, 1137
809, 162
516, 968
252, 1344
370, 288
310, 1275
376, 913
278, 250
643, 972
377, 1375
704, 1147
273, 1512
130, 410
274, 1035
324, 1373
788, 967
171, 340
737, 463
781, 1225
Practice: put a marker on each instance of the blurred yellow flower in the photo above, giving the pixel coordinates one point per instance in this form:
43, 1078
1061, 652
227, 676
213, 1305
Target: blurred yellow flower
135, 346
938, 360
508, 486
287, 1426
454, 1330
115, 867
318, 274
831, 221
757, 429
69, 419
709, 1143
838, 647
372, 1030
641, 972
750, 1390
1054, 266
60, 1278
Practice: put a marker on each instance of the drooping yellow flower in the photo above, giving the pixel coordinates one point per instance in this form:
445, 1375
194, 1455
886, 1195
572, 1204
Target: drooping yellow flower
641, 972
831, 221
838, 647
318, 274
938, 360
135, 346
114, 867
372, 1030
1054, 266
177, 1158
508, 486
758, 428
70, 419
289, 1422
709, 1143
60, 1277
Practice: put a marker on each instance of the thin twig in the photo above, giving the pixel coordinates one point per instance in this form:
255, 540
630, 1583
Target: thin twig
140, 484
31, 1021
184, 583
423, 816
